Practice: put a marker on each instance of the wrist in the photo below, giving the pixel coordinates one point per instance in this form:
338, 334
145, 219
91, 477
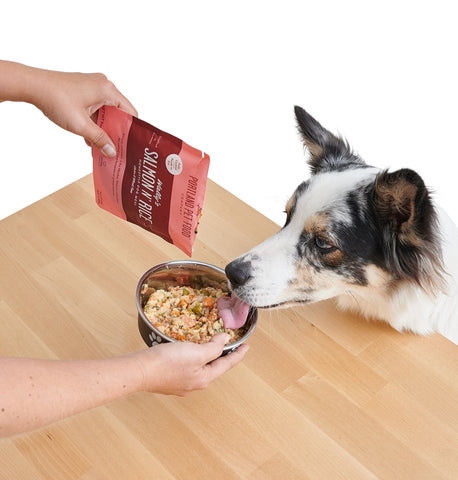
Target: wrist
15, 82
34, 84
141, 363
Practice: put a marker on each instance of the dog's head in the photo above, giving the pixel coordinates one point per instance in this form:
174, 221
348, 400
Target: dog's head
350, 226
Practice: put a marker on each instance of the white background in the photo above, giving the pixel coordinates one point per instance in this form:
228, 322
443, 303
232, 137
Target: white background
224, 77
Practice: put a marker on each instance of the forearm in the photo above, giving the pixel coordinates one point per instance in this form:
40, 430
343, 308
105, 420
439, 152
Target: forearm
18, 82
35, 393
37, 86
68, 99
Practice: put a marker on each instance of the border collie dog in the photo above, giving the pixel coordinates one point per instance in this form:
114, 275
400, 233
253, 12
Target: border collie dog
371, 238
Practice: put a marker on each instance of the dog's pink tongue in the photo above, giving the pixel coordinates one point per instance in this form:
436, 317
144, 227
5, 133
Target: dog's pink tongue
233, 311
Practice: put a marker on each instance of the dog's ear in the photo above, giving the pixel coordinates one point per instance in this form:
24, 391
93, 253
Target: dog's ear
327, 152
408, 222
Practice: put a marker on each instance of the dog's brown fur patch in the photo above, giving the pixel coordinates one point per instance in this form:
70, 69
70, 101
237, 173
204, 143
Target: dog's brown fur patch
397, 201
289, 206
333, 258
318, 225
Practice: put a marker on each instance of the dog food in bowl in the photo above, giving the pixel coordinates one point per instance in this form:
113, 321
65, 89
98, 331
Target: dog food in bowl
188, 274
188, 314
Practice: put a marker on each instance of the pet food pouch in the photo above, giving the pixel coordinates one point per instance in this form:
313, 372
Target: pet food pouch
156, 180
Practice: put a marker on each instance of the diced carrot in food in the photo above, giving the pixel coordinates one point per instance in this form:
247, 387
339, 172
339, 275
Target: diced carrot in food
208, 301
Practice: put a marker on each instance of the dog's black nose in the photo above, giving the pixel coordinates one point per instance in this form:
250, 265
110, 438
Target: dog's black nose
238, 272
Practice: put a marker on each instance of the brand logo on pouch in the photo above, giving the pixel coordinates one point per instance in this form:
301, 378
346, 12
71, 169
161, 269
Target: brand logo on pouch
174, 164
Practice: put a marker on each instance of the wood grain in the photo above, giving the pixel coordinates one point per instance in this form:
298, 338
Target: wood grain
321, 395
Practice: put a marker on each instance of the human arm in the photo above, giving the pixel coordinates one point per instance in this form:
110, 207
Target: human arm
67, 99
35, 393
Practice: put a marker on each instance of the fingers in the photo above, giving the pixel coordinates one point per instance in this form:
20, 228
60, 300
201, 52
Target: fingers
223, 364
108, 94
125, 105
115, 98
120, 101
217, 365
214, 348
98, 138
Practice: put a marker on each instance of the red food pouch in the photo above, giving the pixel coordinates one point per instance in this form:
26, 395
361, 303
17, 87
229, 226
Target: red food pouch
155, 181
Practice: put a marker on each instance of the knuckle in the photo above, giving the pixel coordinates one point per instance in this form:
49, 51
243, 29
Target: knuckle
100, 76
98, 137
105, 87
109, 88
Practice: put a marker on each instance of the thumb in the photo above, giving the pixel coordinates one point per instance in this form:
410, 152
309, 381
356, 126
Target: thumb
214, 348
98, 138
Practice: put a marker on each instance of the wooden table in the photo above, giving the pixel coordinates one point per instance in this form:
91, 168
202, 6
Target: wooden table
321, 394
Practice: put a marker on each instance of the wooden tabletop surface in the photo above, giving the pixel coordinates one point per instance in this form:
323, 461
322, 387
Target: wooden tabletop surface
321, 394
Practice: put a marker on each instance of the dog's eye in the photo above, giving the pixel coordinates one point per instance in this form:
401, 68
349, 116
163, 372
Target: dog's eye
324, 246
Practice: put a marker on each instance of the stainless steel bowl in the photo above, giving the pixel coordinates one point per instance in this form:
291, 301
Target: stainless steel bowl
183, 272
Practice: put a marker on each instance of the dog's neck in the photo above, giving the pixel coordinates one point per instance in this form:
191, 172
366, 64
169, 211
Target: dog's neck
408, 307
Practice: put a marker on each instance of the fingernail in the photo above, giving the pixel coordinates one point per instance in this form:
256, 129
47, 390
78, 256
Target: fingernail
108, 150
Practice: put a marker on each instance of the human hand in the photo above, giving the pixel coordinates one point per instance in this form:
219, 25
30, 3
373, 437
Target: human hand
71, 100
182, 367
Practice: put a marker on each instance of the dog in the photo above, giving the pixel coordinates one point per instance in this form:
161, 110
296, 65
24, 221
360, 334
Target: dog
372, 239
